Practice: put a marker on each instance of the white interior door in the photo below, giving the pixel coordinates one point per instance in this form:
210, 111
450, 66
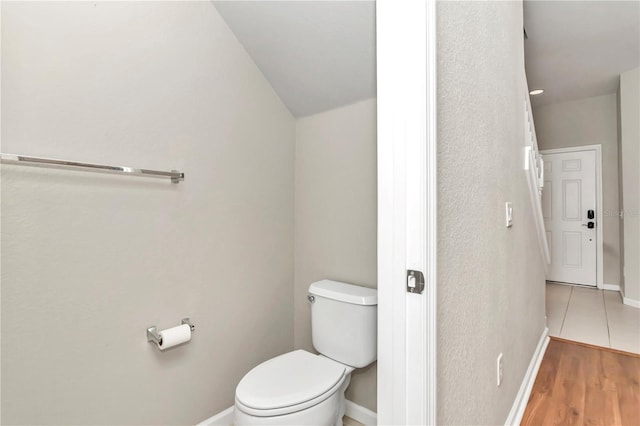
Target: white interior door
570, 212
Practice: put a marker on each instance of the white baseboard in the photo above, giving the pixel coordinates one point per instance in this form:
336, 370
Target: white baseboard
223, 418
360, 413
611, 287
631, 302
520, 403
353, 410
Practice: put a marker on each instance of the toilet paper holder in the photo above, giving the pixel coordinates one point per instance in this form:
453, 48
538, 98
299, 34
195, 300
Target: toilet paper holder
154, 336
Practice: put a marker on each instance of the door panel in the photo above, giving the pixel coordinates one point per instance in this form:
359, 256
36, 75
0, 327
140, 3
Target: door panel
569, 192
546, 200
571, 199
572, 249
573, 165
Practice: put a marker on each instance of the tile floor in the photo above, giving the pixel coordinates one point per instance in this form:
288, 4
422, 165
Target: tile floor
593, 316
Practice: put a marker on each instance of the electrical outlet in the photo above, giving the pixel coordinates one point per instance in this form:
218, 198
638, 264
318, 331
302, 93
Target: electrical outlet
499, 369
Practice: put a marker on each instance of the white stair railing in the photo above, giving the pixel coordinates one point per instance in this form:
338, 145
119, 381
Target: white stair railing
534, 168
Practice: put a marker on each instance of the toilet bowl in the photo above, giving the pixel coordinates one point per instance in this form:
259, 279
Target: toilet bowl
297, 388
301, 388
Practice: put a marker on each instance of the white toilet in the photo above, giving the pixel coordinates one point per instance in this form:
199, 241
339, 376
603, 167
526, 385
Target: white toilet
301, 388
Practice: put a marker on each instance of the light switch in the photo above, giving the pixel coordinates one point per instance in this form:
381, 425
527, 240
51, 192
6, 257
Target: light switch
509, 214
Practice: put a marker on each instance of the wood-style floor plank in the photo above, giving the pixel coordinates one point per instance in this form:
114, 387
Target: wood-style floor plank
585, 385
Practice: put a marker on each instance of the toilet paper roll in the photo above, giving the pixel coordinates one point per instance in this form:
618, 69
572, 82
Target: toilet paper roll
174, 336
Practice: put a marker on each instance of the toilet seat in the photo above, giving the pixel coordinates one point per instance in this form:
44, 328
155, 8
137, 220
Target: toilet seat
289, 383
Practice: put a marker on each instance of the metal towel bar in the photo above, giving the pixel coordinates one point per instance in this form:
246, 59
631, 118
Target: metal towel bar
24, 160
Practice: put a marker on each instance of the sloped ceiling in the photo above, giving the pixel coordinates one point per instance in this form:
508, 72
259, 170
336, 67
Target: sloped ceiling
317, 55
577, 49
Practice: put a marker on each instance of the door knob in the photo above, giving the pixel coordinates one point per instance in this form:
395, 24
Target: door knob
589, 225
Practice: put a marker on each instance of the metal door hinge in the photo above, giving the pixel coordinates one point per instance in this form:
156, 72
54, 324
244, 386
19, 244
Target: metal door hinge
415, 282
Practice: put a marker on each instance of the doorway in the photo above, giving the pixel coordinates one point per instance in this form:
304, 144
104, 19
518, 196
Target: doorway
572, 211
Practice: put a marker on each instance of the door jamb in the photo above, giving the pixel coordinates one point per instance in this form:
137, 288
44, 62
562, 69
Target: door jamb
599, 208
407, 210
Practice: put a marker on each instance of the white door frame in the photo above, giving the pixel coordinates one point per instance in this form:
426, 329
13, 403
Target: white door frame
407, 238
599, 208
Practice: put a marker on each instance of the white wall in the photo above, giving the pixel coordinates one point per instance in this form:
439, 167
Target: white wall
590, 121
90, 261
630, 160
490, 278
336, 215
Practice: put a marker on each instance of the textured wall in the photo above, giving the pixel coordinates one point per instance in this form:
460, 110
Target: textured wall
630, 159
590, 121
490, 278
90, 261
336, 215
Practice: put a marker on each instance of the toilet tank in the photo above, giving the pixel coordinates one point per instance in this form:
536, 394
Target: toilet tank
344, 321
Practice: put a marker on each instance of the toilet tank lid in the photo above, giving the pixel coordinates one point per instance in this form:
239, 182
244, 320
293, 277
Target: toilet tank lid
348, 293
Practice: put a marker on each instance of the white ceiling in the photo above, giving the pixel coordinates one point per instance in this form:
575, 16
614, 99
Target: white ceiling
317, 55
577, 49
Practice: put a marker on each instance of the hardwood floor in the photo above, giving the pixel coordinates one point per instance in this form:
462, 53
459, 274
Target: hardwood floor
580, 384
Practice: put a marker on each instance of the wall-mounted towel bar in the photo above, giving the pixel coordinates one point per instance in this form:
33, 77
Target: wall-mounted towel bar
24, 160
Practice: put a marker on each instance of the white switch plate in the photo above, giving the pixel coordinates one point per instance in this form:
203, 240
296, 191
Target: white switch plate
499, 368
509, 214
